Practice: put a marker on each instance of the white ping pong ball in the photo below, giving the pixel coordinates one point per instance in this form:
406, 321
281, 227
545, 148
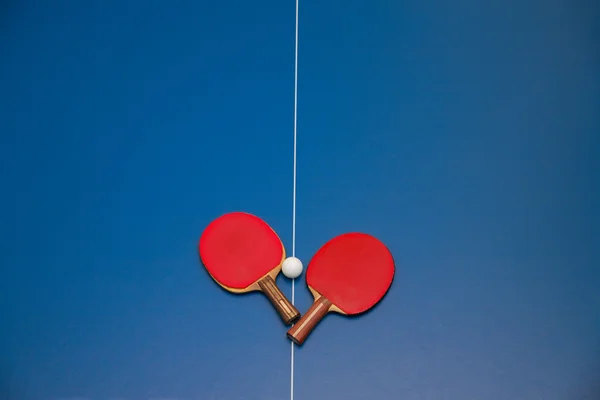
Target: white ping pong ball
292, 267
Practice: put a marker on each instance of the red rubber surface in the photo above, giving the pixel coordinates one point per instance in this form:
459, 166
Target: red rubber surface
238, 249
353, 271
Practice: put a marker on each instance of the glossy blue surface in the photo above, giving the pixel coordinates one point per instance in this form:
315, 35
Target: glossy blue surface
465, 136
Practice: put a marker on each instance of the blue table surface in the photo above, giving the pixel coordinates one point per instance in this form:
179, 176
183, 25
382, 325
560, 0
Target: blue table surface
464, 135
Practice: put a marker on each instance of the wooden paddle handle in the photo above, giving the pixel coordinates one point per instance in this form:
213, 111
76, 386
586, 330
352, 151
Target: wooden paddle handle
288, 313
299, 332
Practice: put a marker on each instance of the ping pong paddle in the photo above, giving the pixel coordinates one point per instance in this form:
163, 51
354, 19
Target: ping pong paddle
242, 253
348, 275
